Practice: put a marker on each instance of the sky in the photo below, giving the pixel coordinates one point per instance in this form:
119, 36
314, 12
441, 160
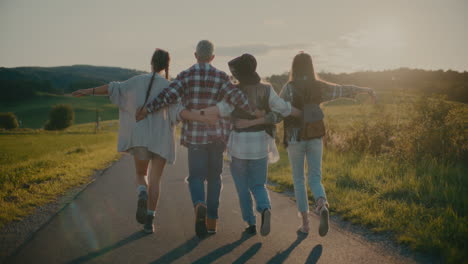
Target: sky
341, 36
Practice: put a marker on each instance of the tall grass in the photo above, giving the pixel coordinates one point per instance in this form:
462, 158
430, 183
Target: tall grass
400, 170
36, 166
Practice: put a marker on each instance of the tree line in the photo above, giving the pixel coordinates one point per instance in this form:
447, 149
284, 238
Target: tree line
21, 83
452, 84
26, 82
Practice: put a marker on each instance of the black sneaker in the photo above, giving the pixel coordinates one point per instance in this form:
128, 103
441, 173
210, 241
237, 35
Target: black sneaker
266, 217
142, 207
149, 225
251, 230
200, 220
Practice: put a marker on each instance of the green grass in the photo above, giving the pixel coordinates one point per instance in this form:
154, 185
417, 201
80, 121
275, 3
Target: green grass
35, 112
422, 203
37, 166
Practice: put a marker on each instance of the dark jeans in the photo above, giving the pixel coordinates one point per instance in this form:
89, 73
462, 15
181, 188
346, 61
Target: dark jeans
206, 164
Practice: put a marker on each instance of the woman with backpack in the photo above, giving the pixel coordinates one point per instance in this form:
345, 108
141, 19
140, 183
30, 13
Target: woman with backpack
150, 141
303, 135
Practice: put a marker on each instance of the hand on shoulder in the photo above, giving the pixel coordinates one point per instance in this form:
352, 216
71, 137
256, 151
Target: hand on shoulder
141, 114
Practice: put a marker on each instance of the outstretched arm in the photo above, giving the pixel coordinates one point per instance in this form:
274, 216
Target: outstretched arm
100, 90
333, 91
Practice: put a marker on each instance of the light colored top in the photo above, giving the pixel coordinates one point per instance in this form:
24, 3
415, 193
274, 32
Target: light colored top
156, 131
259, 144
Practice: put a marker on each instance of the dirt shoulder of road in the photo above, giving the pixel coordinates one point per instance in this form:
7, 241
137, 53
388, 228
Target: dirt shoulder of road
17, 233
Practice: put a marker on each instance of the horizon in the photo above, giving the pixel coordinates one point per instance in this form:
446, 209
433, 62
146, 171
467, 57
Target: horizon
342, 37
287, 72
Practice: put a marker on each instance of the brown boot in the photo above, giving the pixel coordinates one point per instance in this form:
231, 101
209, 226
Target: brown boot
211, 225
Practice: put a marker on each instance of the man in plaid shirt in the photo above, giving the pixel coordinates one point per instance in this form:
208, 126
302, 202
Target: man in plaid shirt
199, 87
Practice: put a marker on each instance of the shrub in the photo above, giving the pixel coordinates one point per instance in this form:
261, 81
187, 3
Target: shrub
60, 117
436, 130
8, 120
433, 129
372, 134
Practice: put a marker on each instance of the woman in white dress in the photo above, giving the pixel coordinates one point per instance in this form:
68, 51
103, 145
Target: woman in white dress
150, 141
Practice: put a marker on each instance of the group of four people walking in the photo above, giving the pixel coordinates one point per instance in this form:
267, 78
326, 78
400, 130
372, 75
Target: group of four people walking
219, 115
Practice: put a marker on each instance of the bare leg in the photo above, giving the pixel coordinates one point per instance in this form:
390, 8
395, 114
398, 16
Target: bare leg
154, 179
141, 167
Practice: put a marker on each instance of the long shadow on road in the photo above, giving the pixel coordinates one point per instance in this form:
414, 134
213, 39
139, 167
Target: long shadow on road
314, 255
133, 237
178, 252
221, 251
282, 256
249, 253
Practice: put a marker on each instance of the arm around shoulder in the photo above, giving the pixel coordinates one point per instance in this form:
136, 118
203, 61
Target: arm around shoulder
100, 90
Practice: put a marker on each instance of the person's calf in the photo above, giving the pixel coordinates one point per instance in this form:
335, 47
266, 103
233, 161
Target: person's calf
142, 204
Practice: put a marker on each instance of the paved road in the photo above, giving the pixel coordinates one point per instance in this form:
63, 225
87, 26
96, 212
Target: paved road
100, 227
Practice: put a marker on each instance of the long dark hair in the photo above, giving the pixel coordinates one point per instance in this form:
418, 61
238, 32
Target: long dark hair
302, 68
159, 61
303, 76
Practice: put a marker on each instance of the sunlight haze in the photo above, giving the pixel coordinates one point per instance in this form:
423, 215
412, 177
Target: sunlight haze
342, 36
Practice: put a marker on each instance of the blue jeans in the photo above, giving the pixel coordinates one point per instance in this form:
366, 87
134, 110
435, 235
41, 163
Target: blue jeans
250, 178
206, 164
312, 151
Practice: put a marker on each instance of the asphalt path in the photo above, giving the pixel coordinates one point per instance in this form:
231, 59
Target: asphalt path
99, 226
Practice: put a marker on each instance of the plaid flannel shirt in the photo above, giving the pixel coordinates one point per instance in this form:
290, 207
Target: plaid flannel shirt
198, 87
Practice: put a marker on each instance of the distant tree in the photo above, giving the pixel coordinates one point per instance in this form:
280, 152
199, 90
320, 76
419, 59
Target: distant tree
60, 117
8, 120
278, 81
17, 90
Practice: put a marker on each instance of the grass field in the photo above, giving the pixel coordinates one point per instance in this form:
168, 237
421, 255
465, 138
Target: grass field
35, 112
37, 166
422, 202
